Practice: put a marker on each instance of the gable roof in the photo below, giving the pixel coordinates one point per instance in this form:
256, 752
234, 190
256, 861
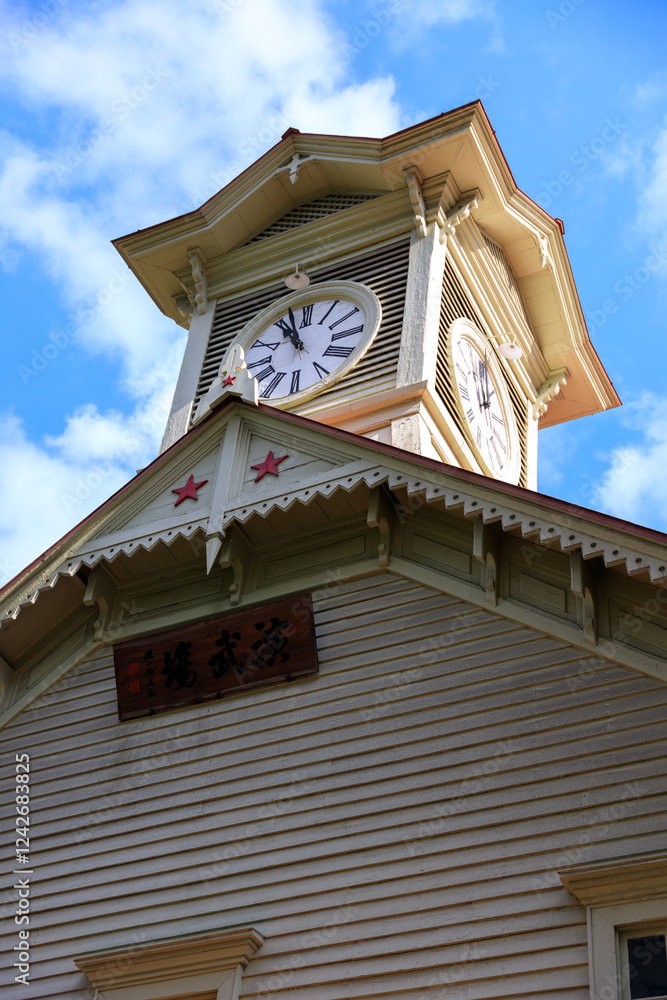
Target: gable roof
225, 447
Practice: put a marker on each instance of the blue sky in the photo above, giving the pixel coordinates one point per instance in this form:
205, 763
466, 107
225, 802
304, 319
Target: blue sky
119, 115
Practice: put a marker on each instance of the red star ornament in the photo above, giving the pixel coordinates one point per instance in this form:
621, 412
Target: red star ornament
189, 490
229, 380
270, 465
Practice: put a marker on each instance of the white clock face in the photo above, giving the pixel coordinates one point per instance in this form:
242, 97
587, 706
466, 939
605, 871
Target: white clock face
306, 341
485, 404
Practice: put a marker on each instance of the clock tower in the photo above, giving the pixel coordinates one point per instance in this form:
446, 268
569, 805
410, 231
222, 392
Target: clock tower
402, 288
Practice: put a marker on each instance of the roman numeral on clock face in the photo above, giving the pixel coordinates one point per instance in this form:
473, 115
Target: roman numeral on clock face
320, 370
273, 384
307, 317
343, 318
260, 361
294, 387
500, 459
337, 351
347, 333
332, 306
260, 343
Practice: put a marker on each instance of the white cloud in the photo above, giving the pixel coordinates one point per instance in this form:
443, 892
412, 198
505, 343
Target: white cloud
44, 494
49, 486
150, 108
634, 486
411, 20
148, 112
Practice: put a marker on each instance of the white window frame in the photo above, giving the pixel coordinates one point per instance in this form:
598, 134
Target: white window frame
619, 895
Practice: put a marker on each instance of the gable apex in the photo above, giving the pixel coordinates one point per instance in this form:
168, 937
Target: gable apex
311, 211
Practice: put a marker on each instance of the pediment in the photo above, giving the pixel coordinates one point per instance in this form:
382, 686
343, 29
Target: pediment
240, 457
289, 503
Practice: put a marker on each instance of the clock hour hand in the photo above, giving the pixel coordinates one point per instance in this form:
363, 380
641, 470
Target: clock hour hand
289, 330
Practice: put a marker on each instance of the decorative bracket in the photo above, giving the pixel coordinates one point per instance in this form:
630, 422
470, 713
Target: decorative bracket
542, 244
184, 306
583, 586
294, 165
547, 391
381, 515
233, 379
414, 180
235, 554
101, 590
486, 550
449, 220
198, 265
7, 684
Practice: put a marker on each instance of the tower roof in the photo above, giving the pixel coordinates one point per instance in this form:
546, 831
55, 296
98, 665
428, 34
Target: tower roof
454, 155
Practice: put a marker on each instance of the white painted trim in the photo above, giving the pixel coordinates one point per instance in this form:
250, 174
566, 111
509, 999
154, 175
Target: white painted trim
188, 379
421, 317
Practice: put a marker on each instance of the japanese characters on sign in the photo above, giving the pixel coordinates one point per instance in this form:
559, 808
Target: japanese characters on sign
215, 657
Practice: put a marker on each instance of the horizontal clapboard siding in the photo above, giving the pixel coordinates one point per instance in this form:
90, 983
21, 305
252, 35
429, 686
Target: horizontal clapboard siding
395, 821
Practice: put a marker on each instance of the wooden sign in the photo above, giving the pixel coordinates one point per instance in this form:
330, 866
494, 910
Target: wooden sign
215, 657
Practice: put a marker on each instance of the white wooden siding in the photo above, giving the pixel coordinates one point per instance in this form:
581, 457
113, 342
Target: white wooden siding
391, 825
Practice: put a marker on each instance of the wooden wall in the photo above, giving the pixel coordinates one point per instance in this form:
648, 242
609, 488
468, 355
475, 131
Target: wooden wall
392, 825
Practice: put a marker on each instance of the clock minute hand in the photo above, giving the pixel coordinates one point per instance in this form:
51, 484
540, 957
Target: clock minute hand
296, 339
487, 394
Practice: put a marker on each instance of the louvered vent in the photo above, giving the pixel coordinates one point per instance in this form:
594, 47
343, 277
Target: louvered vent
385, 272
455, 304
310, 212
505, 272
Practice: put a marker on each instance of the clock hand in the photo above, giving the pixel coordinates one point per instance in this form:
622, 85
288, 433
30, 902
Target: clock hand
294, 337
290, 331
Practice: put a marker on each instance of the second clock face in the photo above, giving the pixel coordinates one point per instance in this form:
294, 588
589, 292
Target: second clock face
304, 345
484, 402
479, 396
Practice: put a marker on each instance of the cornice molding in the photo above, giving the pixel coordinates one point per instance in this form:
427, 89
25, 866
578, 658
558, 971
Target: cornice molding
139, 964
625, 880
